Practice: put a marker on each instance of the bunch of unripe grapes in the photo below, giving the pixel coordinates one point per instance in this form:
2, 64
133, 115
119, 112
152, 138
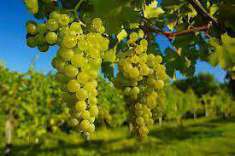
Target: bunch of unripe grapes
78, 61
141, 75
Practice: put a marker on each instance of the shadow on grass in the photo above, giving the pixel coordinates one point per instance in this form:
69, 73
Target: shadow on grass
167, 135
191, 131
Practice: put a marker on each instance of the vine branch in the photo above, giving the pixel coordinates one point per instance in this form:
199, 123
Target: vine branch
77, 7
204, 28
202, 11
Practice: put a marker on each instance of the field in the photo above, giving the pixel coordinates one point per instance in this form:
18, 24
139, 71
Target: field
201, 137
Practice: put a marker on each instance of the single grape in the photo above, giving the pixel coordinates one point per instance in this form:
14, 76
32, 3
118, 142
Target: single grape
31, 28
76, 26
85, 125
94, 110
52, 25
59, 64
85, 114
70, 71
93, 100
64, 20
69, 41
31, 42
78, 60
73, 86
81, 106
81, 94
43, 48
41, 28
51, 37
66, 54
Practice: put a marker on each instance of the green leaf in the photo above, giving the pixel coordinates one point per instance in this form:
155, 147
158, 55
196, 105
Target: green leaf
114, 13
32, 5
122, 35
152, 10
224, 54
108, 70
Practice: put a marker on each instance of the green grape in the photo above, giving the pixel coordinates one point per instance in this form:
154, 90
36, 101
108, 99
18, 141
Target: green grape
140, 121
74, 122
81, 94
81, 106
73, 86
93, 100
143, 131
43, 48
51, 37
31, 42
94, 110
54, 15
85, 114
158, 59
144, 43
52, 25
69, 41
64, 20
110, 56
78, 60
76, 26
135, 90
97, 25
127, 90
134, 73
85, 125
61, 77
93, 92
31, 28
93, 73
41, 28
40, 39
159, 84
133, 37
66, 54
140, 77
91, 128
59, 64
70, 71
83, 77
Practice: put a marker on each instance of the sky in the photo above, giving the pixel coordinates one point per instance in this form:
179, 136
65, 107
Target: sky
18, 57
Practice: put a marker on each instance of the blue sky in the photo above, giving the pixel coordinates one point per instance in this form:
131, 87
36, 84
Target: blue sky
17, 56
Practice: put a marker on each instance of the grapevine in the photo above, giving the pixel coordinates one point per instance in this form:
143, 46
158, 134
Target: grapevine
93, 40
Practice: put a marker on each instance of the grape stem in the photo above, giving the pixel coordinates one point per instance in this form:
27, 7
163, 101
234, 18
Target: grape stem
77, 7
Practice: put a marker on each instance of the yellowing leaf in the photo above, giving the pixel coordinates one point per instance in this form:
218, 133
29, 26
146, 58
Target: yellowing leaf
152, 11
213, 9
224, 53
122, 35
32, 5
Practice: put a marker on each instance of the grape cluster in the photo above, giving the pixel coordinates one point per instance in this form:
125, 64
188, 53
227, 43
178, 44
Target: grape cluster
141, 76
78, 61
42, 35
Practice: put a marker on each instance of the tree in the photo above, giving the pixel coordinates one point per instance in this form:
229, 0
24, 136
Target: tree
194, 102
224, 103
89, 39
202, 83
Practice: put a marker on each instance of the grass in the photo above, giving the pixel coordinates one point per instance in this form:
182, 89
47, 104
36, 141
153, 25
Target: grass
203, 137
